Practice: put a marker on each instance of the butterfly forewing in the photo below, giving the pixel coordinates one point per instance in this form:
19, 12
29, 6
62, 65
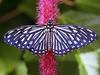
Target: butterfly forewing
28, 37
69, 37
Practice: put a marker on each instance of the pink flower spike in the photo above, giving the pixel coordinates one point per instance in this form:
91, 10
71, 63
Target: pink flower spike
48, 64
47, 9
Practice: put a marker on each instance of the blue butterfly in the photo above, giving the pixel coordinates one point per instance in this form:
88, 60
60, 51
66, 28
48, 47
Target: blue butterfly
60, 39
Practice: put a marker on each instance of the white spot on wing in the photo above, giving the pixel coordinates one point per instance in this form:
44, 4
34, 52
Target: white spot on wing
17, 33
40, 48
62, 47
77, 38
39, 52
23, 39
57, 37
21, 36
72, 27
11, 43
75, 42
27, 28
81, 44
68, 50
22, 46
64, 52
8, 36
43, 51
60, 52
79, 35
71, 36
91, 38
70, 42
89, 41
78, 46
16, 42
42, 38
43, 45
30, 42
36, 29
59, 46
39, 36
56, 51
28, 47
11, 31
75, 31
56, 44
25, 42
73, 46
8, 40
68, 30
36, 35
35, 51
29, 37
25, 32
19, 45
83, 32
89, 30
53, 41
63, 28
91, 34
84, 40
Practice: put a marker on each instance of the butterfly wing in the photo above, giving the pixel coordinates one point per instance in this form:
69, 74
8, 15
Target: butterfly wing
64, 38
69, 37
28, 37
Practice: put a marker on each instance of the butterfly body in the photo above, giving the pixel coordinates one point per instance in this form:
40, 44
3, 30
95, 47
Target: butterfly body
60, 39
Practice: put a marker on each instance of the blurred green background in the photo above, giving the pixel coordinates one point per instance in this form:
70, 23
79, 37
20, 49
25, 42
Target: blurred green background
84, 61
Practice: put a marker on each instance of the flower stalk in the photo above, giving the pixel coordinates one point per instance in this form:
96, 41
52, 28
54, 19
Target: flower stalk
47, 10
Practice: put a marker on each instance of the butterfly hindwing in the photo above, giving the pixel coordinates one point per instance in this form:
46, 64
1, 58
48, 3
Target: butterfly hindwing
69, 37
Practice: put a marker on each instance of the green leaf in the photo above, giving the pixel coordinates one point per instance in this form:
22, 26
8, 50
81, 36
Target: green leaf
89, 6
2, 68
21, 69
28, 7
88, 63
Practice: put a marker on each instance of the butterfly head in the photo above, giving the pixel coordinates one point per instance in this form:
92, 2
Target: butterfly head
50, 23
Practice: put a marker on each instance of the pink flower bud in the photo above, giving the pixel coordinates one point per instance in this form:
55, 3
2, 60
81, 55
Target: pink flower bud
47, 10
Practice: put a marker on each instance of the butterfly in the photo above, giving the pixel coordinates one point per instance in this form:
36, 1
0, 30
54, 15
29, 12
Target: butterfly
60, 39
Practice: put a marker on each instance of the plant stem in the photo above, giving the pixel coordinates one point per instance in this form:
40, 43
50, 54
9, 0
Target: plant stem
47, 10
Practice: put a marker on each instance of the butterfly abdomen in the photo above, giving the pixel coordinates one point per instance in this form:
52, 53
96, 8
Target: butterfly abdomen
49, 40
